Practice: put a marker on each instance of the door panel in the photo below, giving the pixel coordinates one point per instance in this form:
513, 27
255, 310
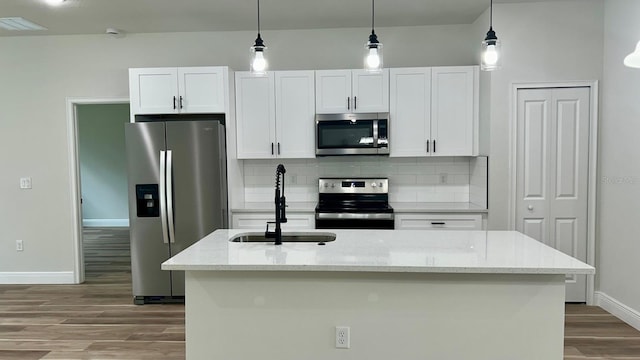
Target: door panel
148, 250
199, 184
202, 89
370, 91
552, 172
256, 115
295, 114
410, 109
535, 162
333, 91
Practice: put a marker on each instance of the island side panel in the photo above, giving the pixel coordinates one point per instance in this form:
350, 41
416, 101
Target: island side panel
293, 315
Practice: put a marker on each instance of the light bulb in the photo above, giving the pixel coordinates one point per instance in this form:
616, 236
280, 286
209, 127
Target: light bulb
55, 2
259, 63
373, 59
490, 56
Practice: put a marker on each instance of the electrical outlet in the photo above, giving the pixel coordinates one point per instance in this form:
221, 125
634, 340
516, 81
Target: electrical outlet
343, 337
25, 183
19, 245
443, 178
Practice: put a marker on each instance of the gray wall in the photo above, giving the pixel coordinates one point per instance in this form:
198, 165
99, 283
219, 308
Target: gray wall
103, 163
619, 185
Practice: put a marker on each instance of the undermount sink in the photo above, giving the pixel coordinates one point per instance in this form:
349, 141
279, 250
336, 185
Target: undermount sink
301, 238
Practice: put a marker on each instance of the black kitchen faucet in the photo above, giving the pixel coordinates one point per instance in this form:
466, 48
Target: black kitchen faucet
280, 201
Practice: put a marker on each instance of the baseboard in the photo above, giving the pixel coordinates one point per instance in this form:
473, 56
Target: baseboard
105, 222
44, 278
618, 309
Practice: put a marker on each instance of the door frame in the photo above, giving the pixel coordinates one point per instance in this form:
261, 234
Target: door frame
74, 176
592, 171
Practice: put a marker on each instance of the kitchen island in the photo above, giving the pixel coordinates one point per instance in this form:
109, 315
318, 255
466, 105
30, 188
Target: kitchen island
404, 294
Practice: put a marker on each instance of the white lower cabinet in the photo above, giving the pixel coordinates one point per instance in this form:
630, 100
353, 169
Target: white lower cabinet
259, 221
433, 221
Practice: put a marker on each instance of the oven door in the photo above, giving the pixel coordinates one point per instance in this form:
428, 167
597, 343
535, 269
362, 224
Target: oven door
354, 221
351, 136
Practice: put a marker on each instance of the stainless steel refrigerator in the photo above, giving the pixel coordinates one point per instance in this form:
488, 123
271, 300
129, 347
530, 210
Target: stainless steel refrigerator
177, 195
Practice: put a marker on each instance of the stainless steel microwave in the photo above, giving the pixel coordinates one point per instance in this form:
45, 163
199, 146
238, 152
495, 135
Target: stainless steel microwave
352, 134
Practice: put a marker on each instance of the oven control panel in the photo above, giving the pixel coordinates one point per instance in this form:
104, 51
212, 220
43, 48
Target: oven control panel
353, 186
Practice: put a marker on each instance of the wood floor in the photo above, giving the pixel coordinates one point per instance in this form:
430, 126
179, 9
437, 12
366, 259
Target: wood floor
97, 320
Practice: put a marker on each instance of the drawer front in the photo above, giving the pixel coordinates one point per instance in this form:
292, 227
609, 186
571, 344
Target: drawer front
259, 221
438, 222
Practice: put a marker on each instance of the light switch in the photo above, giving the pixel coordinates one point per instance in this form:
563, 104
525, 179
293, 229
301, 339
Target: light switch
25, 183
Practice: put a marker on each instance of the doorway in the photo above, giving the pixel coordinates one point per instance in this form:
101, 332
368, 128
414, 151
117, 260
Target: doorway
554, 192
96, 179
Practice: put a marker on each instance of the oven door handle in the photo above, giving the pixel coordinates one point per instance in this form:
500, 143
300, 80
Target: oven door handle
354, 216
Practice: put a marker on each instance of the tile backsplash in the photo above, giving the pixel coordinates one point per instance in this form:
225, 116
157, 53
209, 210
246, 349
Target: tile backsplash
441, 179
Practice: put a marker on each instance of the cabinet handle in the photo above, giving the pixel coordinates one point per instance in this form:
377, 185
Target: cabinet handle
428, 145
434, 146
181, 103
348, 103
174, 103
278, 148
271, 148
438, 223
355, 102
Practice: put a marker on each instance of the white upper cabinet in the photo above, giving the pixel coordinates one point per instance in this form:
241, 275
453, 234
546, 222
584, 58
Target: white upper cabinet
177, 90
454, 111
295, 114
434, 111
275, 115
351, 91
255, 115
410, 112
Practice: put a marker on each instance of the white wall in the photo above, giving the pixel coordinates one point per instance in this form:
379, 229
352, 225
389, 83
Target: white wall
619, 185
103, 163
541, 42
39, 73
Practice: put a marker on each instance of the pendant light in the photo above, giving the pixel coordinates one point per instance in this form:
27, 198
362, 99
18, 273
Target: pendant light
633, 60
373, 48
258, 64
491, 58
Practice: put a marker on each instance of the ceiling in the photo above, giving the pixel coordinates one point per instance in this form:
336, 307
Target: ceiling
147, 16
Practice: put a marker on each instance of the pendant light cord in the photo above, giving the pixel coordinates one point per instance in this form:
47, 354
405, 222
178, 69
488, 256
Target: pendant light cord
259, 17
373, 12
490, 14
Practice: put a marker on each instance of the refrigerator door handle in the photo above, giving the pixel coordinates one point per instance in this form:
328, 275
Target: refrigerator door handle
163, 197
172, 231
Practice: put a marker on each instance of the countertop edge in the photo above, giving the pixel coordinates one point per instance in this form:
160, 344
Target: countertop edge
380, 269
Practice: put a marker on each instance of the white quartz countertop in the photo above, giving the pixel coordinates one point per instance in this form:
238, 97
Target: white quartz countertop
417, 251
398, 207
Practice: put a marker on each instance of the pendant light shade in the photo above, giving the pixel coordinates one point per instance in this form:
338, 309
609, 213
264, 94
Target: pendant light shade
373, 48
491, 55
633, 59
259, 63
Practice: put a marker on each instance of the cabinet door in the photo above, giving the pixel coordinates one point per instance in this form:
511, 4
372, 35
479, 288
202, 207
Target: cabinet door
438, 222
255, 116
201, 90
295, 114
333, 91
410, 111
153, 91
370, 91
454, 110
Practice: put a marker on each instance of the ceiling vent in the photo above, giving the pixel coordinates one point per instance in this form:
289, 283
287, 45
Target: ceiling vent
19, 24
